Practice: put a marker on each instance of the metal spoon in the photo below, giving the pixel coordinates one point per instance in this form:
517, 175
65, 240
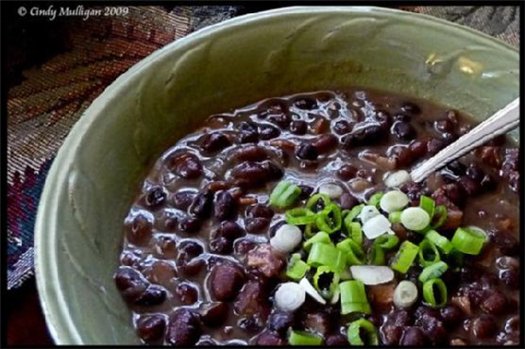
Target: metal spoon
499, 123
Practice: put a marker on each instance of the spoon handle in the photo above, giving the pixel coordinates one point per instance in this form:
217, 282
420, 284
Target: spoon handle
501, 122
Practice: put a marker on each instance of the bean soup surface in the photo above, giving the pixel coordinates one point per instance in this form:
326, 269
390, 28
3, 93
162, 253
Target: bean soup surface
197, 266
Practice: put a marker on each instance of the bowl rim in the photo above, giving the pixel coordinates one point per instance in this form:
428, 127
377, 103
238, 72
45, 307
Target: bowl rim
53, 302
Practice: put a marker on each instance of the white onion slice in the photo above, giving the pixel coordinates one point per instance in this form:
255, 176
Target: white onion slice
377, 226
335, 297
368, 212
393, 201
286, 238
372, 275
331, 190
397, 179
415, 218
289, 296
405, 294
310, 290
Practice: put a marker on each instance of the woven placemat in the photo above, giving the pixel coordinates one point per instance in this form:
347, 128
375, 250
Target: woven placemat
52, 95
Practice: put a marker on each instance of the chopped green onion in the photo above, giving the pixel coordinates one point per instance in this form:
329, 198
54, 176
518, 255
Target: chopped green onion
312, 202
387, 242
322, 273
435, 292
440, 216
319, 237
440, 241
393, 201
329, 219
322, 254
375, 199
304, 338
354, 230
309, 230
376, 255
353, 251
284, 194
353, 297
415, 219
428, 253
433, 271
469, 240
296, 267
354, 213
300, 216
405, 257
359, 327
395, 217
428, 205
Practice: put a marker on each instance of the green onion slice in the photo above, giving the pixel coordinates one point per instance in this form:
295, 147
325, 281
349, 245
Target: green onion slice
352, 250
387, 242
323, 254
440, 216
326, 281
442, 242
428, 253
312, 202
296, 267
304, 338
365, 328
393, 201
284, 194
415, 219
353, 213
319, 237
405, 257
354, 230
428, 205
395, 217
300, 216
433, 271
435, 292
376, 255
353, 297
329, 219
375, 199
469, 240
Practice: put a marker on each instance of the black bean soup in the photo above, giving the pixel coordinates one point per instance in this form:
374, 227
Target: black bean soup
199, 267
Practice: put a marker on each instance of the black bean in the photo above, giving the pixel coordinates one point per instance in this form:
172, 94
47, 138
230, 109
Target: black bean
430, 322
140, 229
488, 183
214, 314
229, 230
186, 165
155, 196
470, 186
259, 211
448, 138
347, 201
325, 143
189, 250
225, 206
215, 142
342, 127
251, 153
183, 199
243, 246
269, 339
282, 120
189, 224
256, 225
298, 127
192, 268
402, 118
505, 240
184, 328
253, 174
187, 293
202, 204
403, 131
444, 126
336, 340
434, 146
130, 283
510, 278
347, 172
221, 245
151, 328
307, 151
475, 173
410, 107
495, 303
250, 324
412, 336
483, 326
248, 132
153, 295
306, 191
305, 103
280, 322
383, 117
268, 132
452, 315
418, 148
392, 329
457, 168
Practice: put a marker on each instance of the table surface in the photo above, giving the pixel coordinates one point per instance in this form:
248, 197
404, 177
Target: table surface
25, 321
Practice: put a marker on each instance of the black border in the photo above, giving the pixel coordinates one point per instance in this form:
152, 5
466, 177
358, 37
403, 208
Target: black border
8, 10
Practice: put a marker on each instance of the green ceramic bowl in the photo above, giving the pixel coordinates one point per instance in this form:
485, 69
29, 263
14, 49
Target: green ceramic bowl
100, 166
